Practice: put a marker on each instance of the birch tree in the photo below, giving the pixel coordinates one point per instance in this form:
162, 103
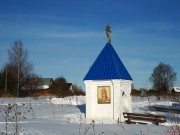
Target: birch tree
18, 66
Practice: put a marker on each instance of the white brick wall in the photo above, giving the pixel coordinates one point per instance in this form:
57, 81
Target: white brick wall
118, 104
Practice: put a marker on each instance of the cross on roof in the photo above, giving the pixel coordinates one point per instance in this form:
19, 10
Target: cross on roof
108, 31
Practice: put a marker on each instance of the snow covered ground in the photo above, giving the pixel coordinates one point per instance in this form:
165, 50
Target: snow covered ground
66, 116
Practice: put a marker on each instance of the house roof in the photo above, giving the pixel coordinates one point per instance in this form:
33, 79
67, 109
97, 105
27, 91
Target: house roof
107, 66
44, 81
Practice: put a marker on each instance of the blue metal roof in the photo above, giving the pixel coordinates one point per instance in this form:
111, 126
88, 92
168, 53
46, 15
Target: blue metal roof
107, 66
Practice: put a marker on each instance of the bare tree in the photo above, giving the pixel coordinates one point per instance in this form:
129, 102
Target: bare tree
18, 67
163, 77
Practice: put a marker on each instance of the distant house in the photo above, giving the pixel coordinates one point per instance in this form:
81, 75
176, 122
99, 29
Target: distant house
43, 83
37, 83
46, 83
42, 86
36, 86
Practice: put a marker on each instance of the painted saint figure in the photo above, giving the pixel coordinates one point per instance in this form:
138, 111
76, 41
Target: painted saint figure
104, 95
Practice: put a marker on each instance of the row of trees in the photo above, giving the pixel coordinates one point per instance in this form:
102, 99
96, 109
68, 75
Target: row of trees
18, 71
60, 87
17, 74
163, 78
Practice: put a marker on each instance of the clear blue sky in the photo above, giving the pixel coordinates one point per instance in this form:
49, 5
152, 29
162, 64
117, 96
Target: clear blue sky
64, 37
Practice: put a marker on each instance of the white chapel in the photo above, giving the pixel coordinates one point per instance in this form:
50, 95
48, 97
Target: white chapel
108, 86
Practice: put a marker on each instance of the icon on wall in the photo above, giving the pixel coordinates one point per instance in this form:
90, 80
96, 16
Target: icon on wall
104, 94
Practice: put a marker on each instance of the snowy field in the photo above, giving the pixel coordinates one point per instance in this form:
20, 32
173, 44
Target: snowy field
66, 116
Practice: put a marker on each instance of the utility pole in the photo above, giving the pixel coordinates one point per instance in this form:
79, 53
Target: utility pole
6, 80
19, 70
18, 80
